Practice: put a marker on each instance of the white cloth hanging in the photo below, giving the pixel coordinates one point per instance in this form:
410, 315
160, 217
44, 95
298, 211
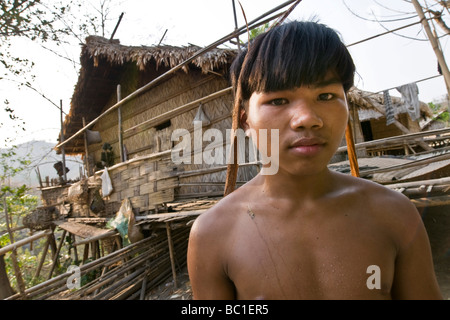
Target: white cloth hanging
410, 95
107, 187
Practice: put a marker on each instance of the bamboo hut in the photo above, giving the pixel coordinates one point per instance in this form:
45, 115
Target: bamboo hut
368, 114
138, 135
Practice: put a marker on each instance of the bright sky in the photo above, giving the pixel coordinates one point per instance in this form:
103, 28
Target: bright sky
382, 63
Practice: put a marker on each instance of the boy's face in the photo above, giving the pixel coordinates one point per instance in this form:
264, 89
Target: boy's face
311, 121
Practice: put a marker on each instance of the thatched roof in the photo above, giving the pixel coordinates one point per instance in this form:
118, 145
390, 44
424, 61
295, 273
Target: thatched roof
103, 64
166, 56
371, 105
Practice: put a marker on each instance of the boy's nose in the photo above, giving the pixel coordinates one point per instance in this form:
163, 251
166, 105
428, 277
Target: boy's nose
305, 117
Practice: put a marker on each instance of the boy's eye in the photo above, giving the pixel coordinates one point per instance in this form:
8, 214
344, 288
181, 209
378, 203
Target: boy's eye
278, 102
325, 96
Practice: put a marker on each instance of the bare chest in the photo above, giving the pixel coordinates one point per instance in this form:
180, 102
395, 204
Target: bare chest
334, 260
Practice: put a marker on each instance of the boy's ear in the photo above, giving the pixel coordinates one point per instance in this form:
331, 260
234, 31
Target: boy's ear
243, 120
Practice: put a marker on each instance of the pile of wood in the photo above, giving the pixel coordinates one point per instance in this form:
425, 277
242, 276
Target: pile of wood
425, 193
128, 273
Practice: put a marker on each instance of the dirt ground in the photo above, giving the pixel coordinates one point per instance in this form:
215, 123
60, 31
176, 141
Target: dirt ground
437, 223
168, 291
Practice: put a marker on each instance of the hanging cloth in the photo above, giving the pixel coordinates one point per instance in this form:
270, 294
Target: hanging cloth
390, 114
107, 187
410, 95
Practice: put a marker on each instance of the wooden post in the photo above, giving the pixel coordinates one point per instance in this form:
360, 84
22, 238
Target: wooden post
74, 247
119, 113
53, 246
85, 253
62, 140
236, 27
44, 254
354, 167
39, 177
20, 283
86, 151
172, 257
435, 44
55, 257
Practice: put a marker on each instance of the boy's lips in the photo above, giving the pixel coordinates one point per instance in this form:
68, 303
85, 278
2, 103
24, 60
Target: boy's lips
307, 146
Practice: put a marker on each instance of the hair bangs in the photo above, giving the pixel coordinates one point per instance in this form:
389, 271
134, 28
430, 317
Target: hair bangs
294, 55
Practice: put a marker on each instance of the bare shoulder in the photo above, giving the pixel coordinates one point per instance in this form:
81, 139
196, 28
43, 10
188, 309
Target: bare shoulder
218, 221
389, 208
208, 243
220, 216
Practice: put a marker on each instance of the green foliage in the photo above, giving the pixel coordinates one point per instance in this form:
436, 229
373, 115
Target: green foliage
11, 165
253, 33
259, 30
440, 115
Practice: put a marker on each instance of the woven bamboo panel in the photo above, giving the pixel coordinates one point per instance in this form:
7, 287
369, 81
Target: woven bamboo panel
147, 183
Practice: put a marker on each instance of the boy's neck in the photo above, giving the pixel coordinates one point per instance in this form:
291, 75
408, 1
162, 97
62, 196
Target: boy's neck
298, 188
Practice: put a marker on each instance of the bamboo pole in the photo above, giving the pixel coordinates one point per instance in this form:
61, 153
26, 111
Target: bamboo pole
236, 26
397, 139
148, 261
441, 181
431, 201
56, 255
20, 243
112, 258
62, 140
177, 111
434, 44
119, 124
352, 157
38, 173
172, 257
96, 238
411, 164
86, 151
44, 255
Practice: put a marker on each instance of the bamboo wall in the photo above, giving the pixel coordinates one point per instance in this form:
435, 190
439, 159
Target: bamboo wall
151, 182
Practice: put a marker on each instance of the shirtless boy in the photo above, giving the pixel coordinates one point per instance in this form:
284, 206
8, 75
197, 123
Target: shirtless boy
306, 232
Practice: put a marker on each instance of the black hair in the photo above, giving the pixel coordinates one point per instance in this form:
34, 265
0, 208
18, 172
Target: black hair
289, 56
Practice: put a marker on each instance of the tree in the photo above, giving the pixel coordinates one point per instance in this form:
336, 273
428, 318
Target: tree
56, 25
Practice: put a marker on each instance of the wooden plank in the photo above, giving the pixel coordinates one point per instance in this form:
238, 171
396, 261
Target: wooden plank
110, 233
162, 217
81, 230
411, 164
442, 181
431, 201
405, 138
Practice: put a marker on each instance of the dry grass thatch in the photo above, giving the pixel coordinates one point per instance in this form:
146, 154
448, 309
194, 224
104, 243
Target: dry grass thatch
166, 56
